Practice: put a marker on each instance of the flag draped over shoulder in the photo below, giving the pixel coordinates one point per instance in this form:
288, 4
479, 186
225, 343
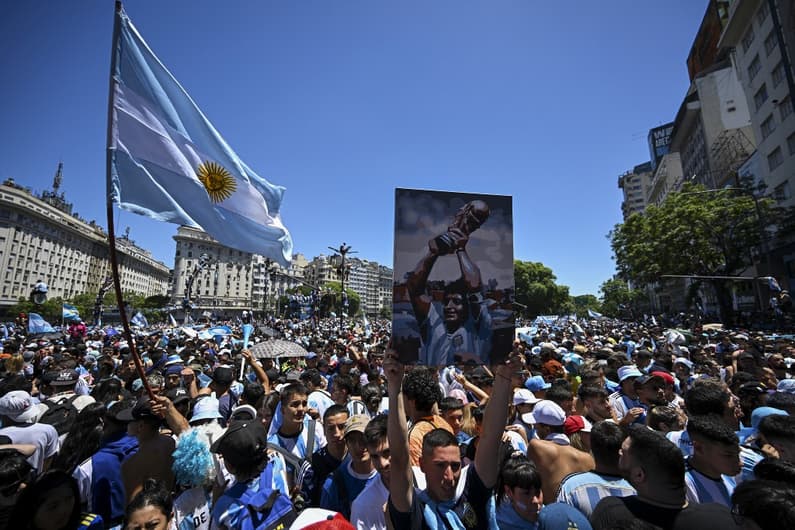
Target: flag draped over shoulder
70, 312
169, 163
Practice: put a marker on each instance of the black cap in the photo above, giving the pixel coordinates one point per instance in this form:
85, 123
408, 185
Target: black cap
63, 377
120, 407
178, 395
142, 410
223, 375
640, 381
242, 441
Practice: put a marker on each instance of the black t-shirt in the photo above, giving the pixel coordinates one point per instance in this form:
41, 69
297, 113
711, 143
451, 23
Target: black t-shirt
472, 507
612, 512
323, 465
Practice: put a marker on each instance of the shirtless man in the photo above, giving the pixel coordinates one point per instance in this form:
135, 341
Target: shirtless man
153, 459
551, 452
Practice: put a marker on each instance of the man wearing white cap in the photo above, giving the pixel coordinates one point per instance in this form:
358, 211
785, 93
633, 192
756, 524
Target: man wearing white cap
19, 415
523, 402
626, 406
551, 452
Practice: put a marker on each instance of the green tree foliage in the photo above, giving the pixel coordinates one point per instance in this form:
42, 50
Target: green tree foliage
694, 232
584, 302
536, 289
616, 295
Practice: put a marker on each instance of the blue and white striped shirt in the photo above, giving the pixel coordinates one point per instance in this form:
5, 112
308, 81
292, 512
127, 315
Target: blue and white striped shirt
584, 490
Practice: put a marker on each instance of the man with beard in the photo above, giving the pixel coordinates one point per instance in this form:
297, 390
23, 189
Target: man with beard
595, 403
655, 468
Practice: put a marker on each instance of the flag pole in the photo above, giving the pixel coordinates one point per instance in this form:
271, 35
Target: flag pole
114, 264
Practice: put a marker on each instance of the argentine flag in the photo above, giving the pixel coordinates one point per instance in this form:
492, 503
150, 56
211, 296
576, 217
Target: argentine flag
70, 312
36, 324
139, 320
169, 163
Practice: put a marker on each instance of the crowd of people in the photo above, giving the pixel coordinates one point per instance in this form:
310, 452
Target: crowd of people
598, 424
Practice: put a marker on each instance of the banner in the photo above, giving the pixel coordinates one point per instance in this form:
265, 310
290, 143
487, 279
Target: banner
453, 290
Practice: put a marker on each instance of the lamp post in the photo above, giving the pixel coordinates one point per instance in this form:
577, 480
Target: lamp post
342, 251
187, 306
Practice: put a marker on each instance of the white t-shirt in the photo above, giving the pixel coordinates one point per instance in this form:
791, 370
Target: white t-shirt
367, 510
43, 436
192, 510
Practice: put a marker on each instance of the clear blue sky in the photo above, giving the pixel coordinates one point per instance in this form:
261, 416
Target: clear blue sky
343, 101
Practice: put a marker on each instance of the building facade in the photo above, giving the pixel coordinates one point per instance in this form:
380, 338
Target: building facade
40, 239
635, 185
759, 39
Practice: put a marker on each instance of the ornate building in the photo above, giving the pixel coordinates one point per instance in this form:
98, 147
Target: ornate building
41, 239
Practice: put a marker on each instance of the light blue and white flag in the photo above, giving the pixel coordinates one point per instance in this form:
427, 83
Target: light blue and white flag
36, 324
594, 314
169, 163
368, 329
70, 312
139, 320
172, 320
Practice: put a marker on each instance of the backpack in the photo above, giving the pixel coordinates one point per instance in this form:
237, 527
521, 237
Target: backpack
303, 474
61, 415
264, 509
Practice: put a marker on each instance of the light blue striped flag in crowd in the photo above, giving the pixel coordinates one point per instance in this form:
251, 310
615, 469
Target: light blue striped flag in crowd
70, 312
594, 314
172, 320
169, 163
139, 320
36, 324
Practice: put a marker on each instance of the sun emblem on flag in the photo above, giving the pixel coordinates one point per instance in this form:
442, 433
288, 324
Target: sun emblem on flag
218, 182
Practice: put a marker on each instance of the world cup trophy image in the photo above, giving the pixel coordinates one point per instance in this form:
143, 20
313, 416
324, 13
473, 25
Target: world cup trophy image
468, 219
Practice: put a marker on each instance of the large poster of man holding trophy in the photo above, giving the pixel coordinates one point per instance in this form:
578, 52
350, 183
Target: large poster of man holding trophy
453, 288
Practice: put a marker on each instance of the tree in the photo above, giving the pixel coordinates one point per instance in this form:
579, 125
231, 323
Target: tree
584, 302
536, 288
617, 295
694, 232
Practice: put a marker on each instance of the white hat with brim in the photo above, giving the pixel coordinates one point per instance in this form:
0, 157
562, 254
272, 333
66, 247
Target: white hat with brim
19, 407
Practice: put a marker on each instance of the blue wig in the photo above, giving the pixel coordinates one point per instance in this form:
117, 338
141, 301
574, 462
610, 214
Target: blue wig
193, 462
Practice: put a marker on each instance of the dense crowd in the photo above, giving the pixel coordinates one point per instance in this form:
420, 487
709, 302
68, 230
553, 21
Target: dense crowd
599, 424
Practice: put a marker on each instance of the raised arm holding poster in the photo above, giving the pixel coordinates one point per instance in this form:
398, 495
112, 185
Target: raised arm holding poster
453, 289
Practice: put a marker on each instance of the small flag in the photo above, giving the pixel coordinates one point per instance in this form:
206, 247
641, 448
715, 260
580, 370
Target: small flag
70, 312
172, 320
36, 324
169, 163
139, 320
594, 314
368, 329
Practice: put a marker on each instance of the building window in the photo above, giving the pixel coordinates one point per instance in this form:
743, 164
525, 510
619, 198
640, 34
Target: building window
761, 96
770, 43
782, 192
754, 67
748, 39
775, 158
768, 126
778, 74
762, 13
785, 107
791, 144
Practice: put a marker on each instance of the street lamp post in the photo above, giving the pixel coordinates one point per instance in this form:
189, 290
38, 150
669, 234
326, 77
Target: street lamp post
342, 251
204, 260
